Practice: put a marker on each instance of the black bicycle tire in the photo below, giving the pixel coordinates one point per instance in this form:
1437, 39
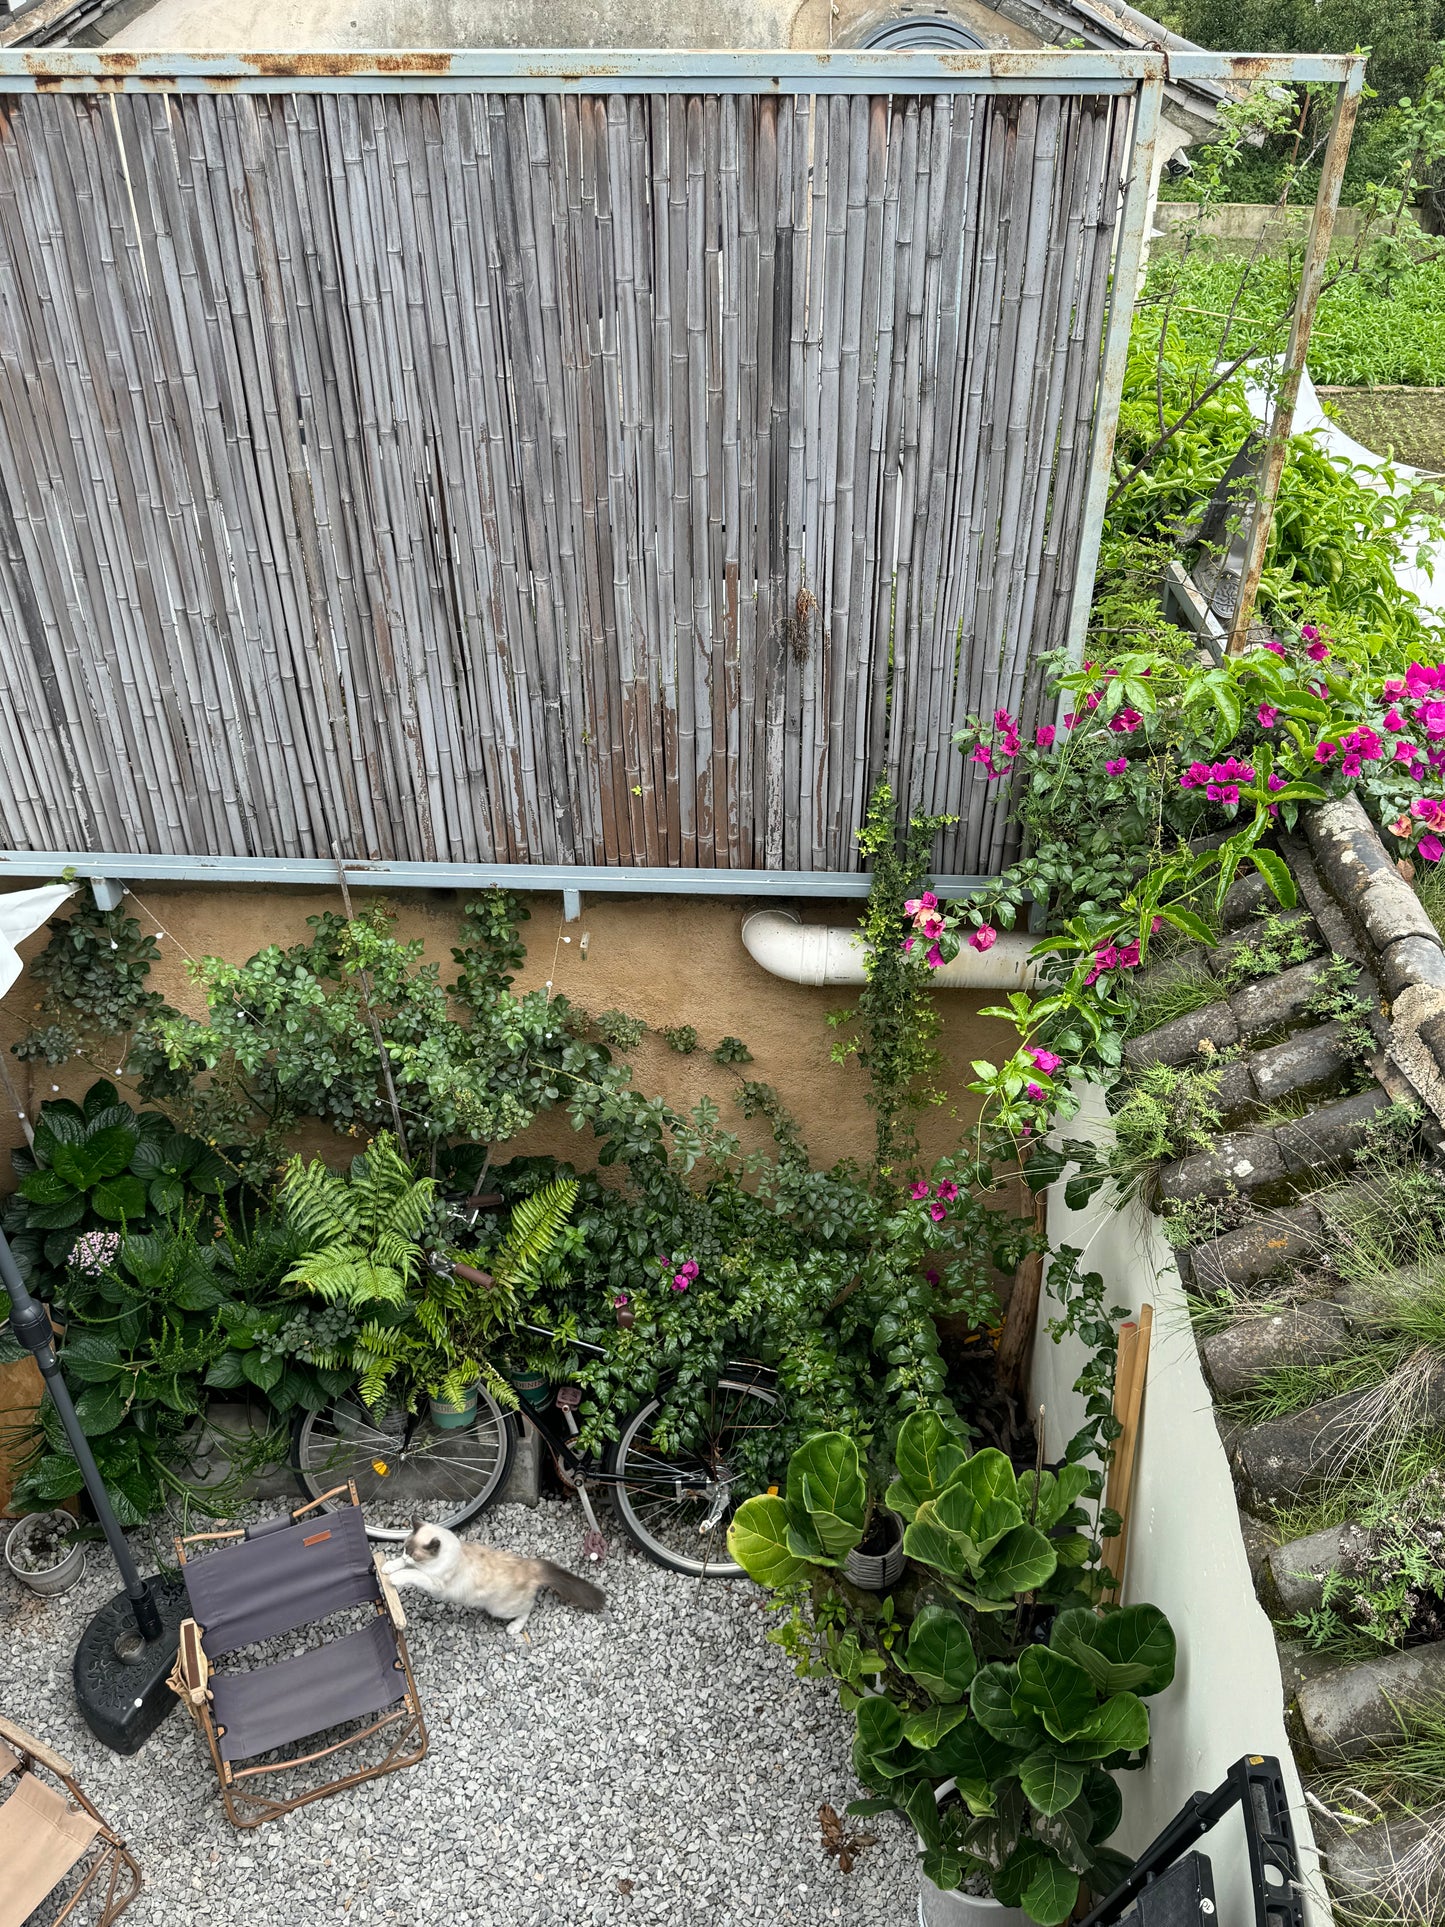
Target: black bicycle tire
455, 1521
738, 1380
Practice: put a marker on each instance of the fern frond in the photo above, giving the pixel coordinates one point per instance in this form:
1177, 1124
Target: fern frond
536, 1223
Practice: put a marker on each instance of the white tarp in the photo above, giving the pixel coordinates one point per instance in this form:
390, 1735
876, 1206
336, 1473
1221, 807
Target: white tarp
21, 914
1422, 573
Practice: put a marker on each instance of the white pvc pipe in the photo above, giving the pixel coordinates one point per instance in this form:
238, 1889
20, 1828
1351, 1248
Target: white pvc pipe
815, 953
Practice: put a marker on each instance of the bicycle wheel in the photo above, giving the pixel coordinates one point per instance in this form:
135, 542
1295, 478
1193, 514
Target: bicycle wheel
677, 1505
404, 1466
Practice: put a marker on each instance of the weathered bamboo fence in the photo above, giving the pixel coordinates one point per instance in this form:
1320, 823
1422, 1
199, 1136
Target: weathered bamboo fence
620, 478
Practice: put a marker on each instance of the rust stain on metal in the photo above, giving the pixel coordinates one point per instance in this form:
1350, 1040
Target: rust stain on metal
117, 63
319, 66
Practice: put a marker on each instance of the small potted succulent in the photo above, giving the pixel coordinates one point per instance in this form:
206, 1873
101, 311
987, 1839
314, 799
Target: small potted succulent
993, 1699
46, 1551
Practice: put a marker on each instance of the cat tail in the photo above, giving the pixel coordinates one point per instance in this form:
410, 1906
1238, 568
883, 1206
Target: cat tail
573, 1590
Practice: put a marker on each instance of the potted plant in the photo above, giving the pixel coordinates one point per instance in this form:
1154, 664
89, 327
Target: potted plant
992, 1698
46, 1552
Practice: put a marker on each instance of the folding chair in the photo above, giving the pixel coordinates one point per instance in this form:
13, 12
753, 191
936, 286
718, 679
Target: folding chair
44, 1836
274, 1578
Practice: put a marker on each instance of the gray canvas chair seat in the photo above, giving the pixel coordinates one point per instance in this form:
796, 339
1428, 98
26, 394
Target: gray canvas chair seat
263, 1583
276, 1704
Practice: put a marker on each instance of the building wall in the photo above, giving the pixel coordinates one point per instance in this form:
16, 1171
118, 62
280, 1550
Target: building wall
669, 960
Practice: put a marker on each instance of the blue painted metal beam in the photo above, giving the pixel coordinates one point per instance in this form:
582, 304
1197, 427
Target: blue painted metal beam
317, 870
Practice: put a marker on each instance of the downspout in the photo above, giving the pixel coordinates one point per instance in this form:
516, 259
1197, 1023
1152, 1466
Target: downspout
816, 953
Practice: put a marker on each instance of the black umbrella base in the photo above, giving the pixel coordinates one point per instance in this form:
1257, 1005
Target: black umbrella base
120, 1679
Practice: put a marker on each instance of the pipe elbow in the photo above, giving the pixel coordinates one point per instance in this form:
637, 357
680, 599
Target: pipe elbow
818, 954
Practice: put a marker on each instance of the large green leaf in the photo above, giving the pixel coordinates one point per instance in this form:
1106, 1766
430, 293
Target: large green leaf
101, 1096
939, 1654
47, 1187
1056, 1689
93, 1358
1057, 1492
100, 1408
880, 1725
118, 1198
1132, 1649
226, 1375
993, 1697
1021, 1561
930, 1545
988, 1477
1106, 1804
1121, 1725
827, 1492
57, 1217
927, 1456
758, 1540
1039, 1882
1050, 1783
100, 1154
972, 1756
925, 1730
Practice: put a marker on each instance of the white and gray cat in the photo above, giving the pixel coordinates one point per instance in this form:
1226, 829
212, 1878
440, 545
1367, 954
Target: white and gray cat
460, 1573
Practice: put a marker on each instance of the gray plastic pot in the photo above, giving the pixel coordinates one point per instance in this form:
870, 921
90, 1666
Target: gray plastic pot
877, 1571
56, 1579
939, 1909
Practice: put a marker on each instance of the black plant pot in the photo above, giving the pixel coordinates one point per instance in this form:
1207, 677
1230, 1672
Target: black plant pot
877, 1570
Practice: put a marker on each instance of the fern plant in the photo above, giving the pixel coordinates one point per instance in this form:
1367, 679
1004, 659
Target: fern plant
361, 1230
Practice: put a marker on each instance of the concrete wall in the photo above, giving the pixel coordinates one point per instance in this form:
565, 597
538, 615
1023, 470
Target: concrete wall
1185, 1551
1248, 220
669, 960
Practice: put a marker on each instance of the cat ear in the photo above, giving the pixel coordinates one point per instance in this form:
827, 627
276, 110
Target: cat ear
417, 1522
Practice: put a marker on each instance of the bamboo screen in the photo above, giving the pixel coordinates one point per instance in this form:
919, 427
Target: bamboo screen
535, 478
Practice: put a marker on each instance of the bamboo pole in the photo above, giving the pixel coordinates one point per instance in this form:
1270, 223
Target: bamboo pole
1130, 1378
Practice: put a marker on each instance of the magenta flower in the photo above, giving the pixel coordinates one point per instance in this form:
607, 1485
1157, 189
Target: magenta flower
1268, 715
1350, 765
937, 1212
1274, 782
1394, 721
1317, 652
1275, 648
947, 1189
1035, 1092
1046, 1061
1125, 722
1309, 633
907, 945
680, 1283
921, 1189
915, 906
933, 1277
1117, 766
985, 937
1069, 720
1092, 701
620, 1300
1394, 687
934, 959
1431, 848
1044, 735
1325, 751
1405, 752
1129, 956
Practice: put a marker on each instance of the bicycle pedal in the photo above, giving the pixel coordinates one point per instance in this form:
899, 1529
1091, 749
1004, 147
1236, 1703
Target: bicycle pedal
569, 1397
594, 1547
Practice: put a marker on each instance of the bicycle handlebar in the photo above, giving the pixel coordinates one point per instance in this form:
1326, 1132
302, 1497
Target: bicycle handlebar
472, 1275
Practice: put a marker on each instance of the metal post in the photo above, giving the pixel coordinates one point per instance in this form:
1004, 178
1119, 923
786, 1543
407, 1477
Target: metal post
31, 1325
1312, 274
1138, 204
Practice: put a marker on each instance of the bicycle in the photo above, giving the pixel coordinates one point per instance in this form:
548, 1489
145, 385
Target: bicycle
675, 1506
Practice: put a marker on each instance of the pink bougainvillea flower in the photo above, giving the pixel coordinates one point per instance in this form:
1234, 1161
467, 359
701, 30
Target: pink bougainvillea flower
934, 959
1274, 782
1402, 826
916, 905
1350, 765
1091, 701
1117, 766
1432, 716
921, 1190
947, 1189
1129, 956
1416, 772
1363, 742
1394, 721
1275, 648
907, 945
1309, 633
1125, 721
985, 937
1268, 715
680, 1283
1420, 679
1069, 720
1045, 1060
930, 926
1317, 651
1394, 687
690, 1269
982, 755
1405, 752
1325, 751
938, 1213
1156, 924
1431, 848
933, 1277
1044, 735
1035, 1092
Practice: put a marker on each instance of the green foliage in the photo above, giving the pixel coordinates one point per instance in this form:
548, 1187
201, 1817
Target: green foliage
731, 1050
679, 1037
894, 1023
945, 1678
615, 1027
92, 974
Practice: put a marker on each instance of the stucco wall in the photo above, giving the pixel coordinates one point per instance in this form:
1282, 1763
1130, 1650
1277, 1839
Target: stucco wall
1185, 1550
669, 960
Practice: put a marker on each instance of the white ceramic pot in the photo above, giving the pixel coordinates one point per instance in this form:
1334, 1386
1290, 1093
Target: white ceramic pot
53, 1580
939, 1909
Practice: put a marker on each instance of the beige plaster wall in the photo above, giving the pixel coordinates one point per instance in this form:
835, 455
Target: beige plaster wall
669, 960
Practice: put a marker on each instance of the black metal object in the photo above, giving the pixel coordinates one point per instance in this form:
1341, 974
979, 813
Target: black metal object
1168, 1886
128, 1649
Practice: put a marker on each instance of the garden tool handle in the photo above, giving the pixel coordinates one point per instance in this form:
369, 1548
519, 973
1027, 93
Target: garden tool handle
472, 1275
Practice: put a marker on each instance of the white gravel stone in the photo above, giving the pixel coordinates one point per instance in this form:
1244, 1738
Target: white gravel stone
663, 1742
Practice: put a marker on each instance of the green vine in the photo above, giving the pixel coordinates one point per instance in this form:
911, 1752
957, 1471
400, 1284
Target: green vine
894, 1021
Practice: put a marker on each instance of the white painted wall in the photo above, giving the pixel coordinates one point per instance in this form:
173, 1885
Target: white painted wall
1185, 1551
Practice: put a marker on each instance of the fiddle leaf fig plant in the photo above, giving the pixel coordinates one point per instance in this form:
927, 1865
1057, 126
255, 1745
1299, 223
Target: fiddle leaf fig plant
992, 1698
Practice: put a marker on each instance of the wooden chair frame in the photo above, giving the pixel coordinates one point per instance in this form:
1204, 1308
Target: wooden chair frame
190, 1681
112, 1854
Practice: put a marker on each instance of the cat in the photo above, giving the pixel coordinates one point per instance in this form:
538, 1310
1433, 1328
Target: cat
439, 1564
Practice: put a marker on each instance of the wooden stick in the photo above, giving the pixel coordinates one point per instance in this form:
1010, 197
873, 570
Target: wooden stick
1129, 1385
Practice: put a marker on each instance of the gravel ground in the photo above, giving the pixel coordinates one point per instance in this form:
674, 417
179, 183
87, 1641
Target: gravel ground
656, 1762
